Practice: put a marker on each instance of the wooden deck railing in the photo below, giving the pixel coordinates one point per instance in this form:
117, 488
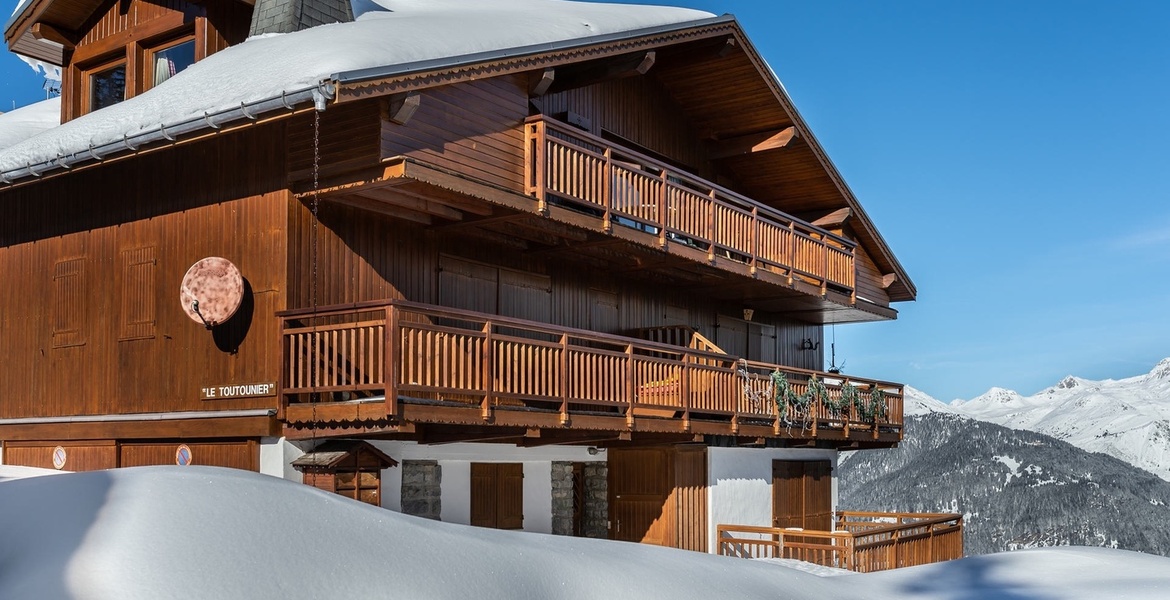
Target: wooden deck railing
400, 348
863, 542
623, 187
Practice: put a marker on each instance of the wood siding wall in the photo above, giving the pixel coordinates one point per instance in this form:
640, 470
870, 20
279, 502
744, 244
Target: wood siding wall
869, 280
362, 256
108, 454
113, 338
347, 140
79, 456
235, 454
639, 110
474, 128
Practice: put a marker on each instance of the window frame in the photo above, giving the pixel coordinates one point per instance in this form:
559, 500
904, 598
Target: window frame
108, 62
148, 49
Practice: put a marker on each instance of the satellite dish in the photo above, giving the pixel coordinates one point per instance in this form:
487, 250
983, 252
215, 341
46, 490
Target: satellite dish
212, 291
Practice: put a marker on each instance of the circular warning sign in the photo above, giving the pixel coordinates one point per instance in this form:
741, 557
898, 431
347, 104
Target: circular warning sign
183, 455
59, 457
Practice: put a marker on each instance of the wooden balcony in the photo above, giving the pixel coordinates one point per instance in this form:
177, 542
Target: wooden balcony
569, 167
395, 363
863, 541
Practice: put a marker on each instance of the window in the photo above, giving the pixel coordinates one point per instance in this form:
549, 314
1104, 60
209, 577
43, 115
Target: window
170, 60
107, 86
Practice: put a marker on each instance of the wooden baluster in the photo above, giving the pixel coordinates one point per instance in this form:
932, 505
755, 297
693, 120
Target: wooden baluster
631, 395
564, 382
754, 242
710, 226
791, 251
392, 338
824, 266
684, 390
541, 167
662, 195
487, 372
607, 191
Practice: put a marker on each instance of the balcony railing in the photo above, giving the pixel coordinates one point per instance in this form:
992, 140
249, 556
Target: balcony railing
565, 165
409, 350
863, 542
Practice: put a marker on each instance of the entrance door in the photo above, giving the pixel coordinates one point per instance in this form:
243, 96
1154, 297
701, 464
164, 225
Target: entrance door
497, 495
639, 489
802, 494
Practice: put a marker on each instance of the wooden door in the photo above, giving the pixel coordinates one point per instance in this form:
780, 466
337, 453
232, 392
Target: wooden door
497, 495
639, 491
802, 494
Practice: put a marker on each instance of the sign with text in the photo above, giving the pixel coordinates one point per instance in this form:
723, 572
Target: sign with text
247, 390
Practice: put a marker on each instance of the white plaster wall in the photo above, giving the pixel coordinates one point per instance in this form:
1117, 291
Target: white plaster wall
739, 484
276, 456
455, 487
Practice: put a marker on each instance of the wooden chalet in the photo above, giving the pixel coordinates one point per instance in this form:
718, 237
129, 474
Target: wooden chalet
566, 284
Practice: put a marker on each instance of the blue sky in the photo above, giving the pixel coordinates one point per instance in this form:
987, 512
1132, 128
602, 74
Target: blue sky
1013, 154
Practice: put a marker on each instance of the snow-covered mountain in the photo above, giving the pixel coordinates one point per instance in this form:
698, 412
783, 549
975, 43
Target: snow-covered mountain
1015, 488
1128, 419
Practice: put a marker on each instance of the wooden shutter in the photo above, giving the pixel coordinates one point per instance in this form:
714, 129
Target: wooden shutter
137, 271
525, 295
497, 495
468, 285
732, 336
761, 342
69, 303
483, 495
818, 495
787, 494
510, 496
604, 314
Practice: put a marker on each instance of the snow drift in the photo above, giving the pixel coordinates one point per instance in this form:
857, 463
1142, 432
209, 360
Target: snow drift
203, 532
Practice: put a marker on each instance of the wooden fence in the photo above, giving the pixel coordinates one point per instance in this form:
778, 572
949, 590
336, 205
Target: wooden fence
863, 541
630, 189
400, 348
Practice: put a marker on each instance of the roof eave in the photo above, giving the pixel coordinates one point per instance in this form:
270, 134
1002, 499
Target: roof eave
362, 75
862, 218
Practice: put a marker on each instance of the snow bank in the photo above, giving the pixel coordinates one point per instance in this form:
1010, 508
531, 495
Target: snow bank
390, 32
203, 532
27, 121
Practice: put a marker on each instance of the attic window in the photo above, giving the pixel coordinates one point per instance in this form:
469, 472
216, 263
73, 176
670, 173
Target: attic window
107, 86
172, 59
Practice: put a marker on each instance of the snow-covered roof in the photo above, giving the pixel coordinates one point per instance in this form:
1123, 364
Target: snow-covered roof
27, 121
291, 67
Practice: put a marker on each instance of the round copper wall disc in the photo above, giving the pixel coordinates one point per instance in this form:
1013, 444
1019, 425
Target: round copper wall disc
212, 291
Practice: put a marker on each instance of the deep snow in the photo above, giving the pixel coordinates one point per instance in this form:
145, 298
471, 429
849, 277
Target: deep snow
204, 532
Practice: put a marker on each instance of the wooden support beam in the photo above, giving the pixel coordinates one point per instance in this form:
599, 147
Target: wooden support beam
728, 47
541, 86
620, 67
888, 279
455, 200
49, 33
834, 219
401, 107
752, 143
422, 205
384, 208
